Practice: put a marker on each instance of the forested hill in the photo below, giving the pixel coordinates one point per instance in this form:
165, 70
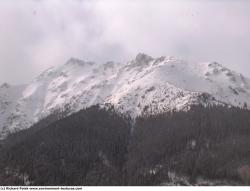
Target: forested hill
204, 146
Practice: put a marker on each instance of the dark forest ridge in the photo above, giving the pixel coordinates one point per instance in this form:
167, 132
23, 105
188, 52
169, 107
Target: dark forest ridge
205, 146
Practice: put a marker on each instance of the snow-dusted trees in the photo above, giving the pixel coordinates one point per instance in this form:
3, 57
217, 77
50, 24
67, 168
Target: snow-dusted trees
100, 147
203, 142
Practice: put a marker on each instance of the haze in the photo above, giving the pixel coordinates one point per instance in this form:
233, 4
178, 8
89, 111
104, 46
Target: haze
35, 35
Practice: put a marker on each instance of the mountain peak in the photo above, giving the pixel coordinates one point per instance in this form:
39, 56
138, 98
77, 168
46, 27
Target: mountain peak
143, 58
215, 64
78, 62
144, 85
75, 61
5, 85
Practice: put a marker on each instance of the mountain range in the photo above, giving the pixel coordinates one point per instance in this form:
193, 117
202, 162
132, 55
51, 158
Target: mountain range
145, 85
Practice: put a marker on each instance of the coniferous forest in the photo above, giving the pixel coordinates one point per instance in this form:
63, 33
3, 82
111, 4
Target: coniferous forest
96, 146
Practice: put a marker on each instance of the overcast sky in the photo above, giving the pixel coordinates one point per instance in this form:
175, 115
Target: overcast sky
37, 34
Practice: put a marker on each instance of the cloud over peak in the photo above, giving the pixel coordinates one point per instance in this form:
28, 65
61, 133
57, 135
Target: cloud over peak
39, 34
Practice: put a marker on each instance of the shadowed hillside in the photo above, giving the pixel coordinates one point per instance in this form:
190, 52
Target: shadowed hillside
205, 146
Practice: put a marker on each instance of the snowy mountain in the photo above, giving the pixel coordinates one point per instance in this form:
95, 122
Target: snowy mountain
143, 85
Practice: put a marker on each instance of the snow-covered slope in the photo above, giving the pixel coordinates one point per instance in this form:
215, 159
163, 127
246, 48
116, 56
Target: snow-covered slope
144, 85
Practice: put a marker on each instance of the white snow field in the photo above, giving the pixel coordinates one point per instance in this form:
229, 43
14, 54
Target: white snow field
143, 85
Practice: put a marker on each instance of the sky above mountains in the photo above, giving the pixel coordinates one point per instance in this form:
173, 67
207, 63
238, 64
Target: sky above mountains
37, 34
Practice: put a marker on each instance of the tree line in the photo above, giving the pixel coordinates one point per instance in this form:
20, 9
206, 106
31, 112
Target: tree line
98, 146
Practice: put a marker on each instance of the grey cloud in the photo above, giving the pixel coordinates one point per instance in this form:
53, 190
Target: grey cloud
37, 34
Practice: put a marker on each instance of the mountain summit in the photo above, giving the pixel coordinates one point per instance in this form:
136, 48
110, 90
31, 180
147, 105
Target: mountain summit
143, 85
